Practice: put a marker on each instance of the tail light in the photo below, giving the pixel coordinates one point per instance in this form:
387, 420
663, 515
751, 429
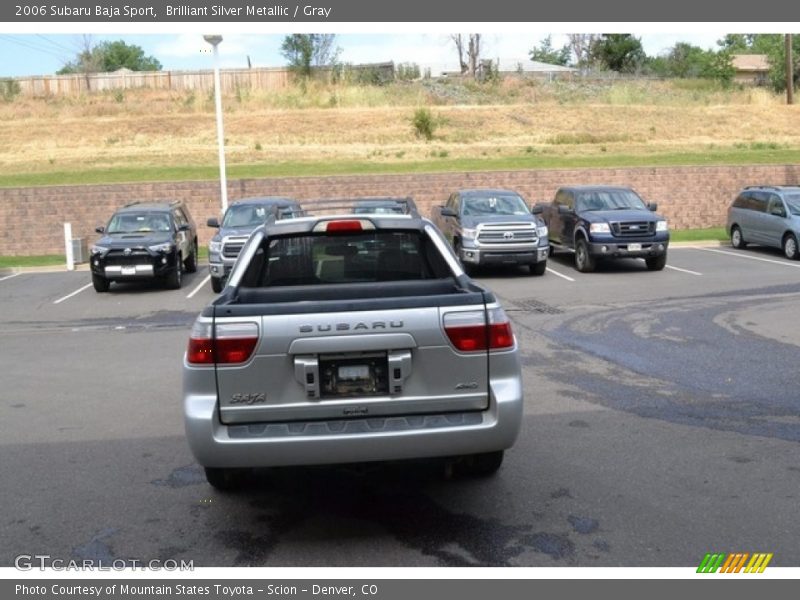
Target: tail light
344, 226
469, 331
234, 343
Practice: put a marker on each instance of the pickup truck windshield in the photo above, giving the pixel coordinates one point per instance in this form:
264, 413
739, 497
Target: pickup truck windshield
242, 216
608, 200
371, 256
506, 204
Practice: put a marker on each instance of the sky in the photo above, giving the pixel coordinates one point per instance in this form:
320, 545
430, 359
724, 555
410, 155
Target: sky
46, 53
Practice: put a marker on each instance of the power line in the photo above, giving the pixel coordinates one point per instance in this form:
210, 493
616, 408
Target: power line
31, 46
53, 43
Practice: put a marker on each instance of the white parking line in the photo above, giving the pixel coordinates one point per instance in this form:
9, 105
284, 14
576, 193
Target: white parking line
557, 274
201, 284
683, 270
9, 276
75, 293
742, 255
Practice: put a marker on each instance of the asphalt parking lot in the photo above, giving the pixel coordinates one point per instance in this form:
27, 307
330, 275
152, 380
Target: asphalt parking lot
662, 422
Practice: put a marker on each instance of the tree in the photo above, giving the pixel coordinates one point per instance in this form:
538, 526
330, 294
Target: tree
304, 51
545, 53
473, 52
109, 56
580, 44
620, 52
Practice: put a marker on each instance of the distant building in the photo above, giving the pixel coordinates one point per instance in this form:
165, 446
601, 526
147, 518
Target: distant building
751, 69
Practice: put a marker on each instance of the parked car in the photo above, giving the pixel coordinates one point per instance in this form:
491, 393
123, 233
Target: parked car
350, 338
602, 222
145, 241
384, 206
241, 218
766, 215
493, 227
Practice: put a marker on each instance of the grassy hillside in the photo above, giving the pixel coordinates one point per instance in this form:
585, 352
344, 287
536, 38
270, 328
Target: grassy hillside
140, 135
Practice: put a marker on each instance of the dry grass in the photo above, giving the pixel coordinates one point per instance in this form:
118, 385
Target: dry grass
333, 123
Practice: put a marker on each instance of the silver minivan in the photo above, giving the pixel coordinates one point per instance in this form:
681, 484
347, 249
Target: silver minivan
766, 215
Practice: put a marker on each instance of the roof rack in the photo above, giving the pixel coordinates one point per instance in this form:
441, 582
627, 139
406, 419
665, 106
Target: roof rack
170, 202
768, 187
343, 205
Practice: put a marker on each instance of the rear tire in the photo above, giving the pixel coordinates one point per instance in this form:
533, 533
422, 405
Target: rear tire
584, 261
224, 480
480, 465
657, 263
175, 278
216, 285
790, 249
101, 284
191, 262
538, 268
737, 239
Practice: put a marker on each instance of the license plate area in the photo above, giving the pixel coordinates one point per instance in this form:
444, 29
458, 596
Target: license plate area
634, 247
353, 375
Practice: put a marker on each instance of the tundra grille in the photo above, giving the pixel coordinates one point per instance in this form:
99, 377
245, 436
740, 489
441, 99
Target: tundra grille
507, 233
231, 247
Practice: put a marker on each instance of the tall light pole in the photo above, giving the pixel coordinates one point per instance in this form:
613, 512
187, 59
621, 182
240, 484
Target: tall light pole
214, 40
789, 70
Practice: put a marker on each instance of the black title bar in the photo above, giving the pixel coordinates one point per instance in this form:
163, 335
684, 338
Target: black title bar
339, 11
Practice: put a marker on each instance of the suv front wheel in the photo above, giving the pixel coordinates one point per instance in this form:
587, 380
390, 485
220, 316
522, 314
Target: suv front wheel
101, 284
174, 279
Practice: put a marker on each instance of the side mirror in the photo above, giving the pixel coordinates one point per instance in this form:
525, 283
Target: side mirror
184, 227
565, 210
100, 229
448, 212
537, 209
778, 211
213, 222
653, 206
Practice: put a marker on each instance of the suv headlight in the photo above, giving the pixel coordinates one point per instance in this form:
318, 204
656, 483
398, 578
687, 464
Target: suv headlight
214, 247
661, 226
98, 250
166, 247
599, 228
541, 230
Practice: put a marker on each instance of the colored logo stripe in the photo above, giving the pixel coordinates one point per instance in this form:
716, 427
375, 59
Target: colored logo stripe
734, 563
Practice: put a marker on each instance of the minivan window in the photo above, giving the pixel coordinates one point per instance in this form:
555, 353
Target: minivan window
793, 202
775, 206
758, 201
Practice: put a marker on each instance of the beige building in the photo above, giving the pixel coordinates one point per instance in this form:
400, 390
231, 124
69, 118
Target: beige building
751, 69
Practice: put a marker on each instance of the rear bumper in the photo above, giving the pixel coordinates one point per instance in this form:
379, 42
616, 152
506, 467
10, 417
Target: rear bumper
353, 440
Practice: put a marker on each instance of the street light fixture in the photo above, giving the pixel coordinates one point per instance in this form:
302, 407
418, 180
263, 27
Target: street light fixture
215, 40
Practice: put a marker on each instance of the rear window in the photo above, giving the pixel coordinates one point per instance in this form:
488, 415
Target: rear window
373, 256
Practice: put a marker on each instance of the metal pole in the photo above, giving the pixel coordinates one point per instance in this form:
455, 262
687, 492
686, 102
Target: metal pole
789, 71
223, 182
68, 246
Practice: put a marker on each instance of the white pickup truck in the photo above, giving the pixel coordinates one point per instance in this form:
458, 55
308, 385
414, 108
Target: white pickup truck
348, 338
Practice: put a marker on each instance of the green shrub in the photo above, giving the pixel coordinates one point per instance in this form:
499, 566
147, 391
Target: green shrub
424, 123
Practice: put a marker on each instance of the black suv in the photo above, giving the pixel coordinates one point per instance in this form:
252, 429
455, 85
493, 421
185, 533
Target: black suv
145, 241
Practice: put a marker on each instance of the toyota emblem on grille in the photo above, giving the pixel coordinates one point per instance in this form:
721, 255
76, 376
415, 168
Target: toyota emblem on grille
508, 235
127, 251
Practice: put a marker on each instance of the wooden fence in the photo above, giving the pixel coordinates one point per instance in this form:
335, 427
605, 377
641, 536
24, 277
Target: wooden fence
231, 80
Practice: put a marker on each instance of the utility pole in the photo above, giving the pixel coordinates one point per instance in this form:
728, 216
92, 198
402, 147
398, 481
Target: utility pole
789, 71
